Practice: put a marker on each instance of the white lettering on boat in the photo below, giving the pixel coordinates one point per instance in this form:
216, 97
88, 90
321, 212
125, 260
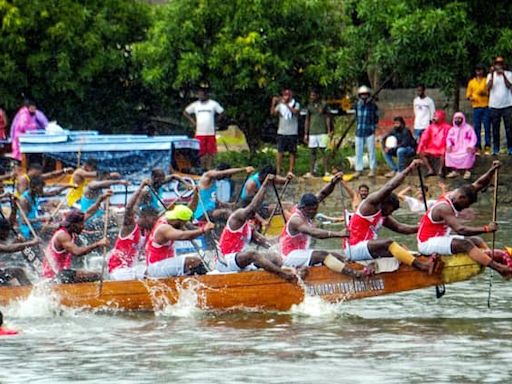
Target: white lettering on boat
345, 287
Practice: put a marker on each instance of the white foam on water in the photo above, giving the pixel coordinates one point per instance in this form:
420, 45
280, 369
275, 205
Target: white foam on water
315, 306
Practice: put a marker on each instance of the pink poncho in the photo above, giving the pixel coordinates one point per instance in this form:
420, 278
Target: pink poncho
433, 139
460, 145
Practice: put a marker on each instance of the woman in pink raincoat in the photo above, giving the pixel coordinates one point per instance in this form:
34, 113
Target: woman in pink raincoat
433, 143
460, 147
28, 118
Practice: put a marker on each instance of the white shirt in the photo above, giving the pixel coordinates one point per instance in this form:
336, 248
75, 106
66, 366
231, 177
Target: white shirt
288, 122
423, 112
500, 96
416, 205
205, 116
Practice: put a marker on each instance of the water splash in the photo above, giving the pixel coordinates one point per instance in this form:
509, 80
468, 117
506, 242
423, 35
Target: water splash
315, 306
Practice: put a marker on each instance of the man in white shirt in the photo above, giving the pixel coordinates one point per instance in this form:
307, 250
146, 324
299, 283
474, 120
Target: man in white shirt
206, 112
500, 103
424, 109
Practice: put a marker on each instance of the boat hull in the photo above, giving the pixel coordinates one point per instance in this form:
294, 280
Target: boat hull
257, 290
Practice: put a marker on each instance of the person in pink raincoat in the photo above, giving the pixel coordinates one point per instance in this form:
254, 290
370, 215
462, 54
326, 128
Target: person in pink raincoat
433, 143
28, 118
460, 147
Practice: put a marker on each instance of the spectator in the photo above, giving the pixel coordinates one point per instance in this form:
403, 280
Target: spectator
424, 109
206, 112
317, 131
432, 143
398, 143
367, 117
500, 103
28, 118
288, 130
460, 147
478, 95
3, 125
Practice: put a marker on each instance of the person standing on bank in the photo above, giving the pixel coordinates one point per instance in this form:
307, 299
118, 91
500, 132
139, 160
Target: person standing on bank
424, 109
367, 117
400, 143
317, 131
287, 108
478, 95
206, 112
500, 103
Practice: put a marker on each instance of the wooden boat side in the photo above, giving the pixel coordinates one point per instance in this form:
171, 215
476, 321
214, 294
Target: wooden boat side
258, 290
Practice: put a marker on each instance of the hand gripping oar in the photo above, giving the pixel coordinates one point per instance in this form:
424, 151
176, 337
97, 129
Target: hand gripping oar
493, 241
27, 253
105, 228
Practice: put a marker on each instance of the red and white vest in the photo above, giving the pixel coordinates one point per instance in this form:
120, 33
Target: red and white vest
59, 259
430, 228
157, 252
235, 241
363, 228
289, 242
125, 250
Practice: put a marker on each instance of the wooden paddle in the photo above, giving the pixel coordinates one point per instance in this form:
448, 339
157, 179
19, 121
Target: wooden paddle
345, 216
422, 186
29, 225
219, 255
55, 211
242, 188
277, 205
105, 228
493, 241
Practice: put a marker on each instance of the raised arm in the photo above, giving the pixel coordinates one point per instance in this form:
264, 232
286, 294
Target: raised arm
387, 189
93, 208
58, 190
229, 172
484, 180
60, 172
327, 190
195, 200
244, 213
129, 210
398, 227
105, 183
401, 195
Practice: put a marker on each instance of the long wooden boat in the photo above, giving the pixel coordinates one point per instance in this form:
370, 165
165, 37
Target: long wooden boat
257, 290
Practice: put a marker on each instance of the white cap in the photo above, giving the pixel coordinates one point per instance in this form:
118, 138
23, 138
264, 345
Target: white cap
363, 89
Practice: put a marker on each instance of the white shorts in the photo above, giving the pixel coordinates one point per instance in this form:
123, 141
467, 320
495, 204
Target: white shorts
440, 244
174, 266
128, 273
358, 252
318, 141
298, 258
232, 266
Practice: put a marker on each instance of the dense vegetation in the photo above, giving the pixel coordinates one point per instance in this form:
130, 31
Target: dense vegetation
110, 64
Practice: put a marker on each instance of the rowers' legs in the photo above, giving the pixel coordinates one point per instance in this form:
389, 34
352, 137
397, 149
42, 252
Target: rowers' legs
423, 157
334, 261
479, 242
19, 274
390, 248
468, 246
243, 259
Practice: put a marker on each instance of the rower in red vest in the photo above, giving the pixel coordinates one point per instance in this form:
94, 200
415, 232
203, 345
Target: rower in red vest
372, 214
161, 259
130, 241
299, 229
5, 331
62, 248
239, 233
437, 223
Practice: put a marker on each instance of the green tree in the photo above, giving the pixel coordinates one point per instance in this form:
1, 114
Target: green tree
246, 49
74, 58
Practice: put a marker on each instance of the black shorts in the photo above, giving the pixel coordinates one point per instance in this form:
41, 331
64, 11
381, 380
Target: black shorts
287, 143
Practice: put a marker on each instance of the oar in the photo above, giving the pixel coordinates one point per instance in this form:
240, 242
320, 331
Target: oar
105, 228
279, 201
345, 216
29, 224
125, 195
55, 211
422, 186
219, 255
277, 206
242, 189
27, 253
493, 241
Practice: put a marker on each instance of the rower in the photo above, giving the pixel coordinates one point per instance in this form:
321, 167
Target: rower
29, 203
208, 203
373, 213
434, 232
239, 233
9, 274
130, 241
298, 231
93, 190
62, 248
80, 178
36, 170
254, 182
160, 255
356, 197
158, 180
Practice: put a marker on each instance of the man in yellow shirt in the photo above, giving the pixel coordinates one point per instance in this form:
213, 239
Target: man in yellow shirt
478, 95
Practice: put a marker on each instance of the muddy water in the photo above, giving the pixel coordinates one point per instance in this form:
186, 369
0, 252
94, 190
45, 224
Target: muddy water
411, 338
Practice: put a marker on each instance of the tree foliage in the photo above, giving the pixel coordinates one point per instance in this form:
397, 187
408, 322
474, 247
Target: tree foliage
73, 57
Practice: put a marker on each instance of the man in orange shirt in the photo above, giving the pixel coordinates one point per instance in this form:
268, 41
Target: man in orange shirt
478, 95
